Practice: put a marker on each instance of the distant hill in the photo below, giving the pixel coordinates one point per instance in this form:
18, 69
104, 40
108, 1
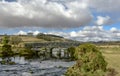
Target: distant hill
47, 40
50, 39
41, 38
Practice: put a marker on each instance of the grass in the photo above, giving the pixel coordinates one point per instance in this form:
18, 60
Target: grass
112, 56
110, 49
113, 61
32, 39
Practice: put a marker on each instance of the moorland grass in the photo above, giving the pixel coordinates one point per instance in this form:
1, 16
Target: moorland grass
112, 56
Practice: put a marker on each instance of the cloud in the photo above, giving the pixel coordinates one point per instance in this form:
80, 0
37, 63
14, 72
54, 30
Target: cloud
63, 14
25, 33
105, 5
73, 34
36, 32
97, 33
56, 13
104, 20
108, 8
92, 33
88, 33
44, 13
113, 29
21, 33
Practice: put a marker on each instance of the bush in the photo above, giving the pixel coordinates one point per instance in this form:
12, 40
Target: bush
90, 62
27, 53
71, 52
7, 51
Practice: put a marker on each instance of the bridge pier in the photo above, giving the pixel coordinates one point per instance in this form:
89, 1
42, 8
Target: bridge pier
47, 53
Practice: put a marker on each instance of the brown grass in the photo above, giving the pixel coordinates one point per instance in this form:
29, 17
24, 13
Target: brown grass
112, 56
31, 39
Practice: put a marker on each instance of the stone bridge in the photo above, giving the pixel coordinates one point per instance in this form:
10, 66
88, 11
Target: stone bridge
52, 49
52, 44
54, 52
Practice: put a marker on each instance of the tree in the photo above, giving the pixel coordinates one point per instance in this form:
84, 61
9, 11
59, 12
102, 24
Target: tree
5, 39
6, 51
90, 62
6, 48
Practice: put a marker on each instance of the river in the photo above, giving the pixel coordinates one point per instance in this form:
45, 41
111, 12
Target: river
35, 67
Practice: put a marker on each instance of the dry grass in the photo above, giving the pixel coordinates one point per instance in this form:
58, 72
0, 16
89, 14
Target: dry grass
113, 61
110, 50
112, 56
31, 39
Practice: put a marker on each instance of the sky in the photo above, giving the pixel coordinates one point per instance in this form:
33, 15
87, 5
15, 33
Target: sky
82, 20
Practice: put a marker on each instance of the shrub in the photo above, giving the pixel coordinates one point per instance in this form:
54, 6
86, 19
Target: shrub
90, 62
71, 52
27, 53
7, 51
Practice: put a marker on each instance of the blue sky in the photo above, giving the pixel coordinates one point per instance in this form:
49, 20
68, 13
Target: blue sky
83, 20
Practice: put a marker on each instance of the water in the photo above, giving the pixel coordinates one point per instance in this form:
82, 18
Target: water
34, 67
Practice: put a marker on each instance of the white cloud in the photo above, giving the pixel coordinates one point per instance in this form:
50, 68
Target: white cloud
113, 29
97, 33
88, 33
36, 32
21, 33
92, 33
44, 13
25, 33
103, 20
73, 34
56, 13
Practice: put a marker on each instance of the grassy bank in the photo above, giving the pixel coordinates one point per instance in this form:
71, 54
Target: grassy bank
112, 56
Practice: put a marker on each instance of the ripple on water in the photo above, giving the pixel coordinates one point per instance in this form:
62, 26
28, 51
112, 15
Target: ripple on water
35, 68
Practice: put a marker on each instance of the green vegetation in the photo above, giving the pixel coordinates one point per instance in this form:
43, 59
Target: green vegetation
71, 52
48, 37
6, 48
7, 51
90, 62
27, 52
5, 40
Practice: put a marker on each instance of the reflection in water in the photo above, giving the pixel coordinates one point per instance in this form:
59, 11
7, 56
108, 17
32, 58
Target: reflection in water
19, 60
